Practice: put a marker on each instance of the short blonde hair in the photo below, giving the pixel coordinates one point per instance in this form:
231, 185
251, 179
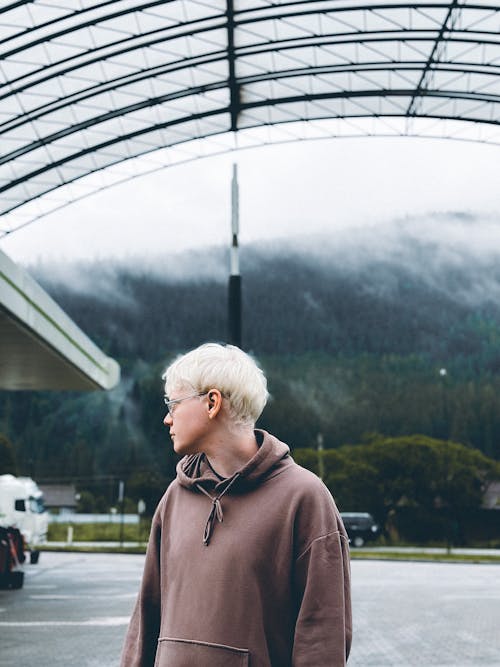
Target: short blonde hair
226, 368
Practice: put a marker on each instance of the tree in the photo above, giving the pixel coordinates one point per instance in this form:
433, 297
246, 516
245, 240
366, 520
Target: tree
7, 456
148, 486
385, 475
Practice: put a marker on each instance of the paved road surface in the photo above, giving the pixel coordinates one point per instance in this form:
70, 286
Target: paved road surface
73, 611
74, 608
425, 614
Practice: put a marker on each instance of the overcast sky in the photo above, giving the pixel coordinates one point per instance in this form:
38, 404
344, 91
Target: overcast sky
285, 190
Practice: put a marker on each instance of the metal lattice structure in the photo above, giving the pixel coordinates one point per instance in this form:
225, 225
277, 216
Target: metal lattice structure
86, 85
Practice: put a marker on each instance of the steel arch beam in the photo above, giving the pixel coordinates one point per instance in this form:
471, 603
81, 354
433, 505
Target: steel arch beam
84, 89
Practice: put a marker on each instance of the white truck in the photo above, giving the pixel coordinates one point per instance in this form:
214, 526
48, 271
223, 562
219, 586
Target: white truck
21, 507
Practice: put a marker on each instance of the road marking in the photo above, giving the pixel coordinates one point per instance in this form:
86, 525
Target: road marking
58, 597
473, 596
106, 621
49, 596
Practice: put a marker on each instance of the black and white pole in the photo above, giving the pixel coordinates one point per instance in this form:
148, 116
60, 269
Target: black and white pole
234, 301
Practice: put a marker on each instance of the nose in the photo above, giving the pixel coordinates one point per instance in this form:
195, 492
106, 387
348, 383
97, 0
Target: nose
168, 419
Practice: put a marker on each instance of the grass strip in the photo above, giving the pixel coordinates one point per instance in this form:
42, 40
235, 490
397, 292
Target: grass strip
70, 548
425, 557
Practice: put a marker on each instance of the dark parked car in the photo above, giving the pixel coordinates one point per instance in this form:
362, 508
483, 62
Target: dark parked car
360, 526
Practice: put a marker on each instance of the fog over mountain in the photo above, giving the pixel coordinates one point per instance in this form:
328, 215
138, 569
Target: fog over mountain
411, 285
461, 245
352, 328
454, 253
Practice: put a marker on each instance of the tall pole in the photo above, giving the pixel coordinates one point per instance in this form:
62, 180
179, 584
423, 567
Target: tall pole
121, 500
446, 434
321, 462
234, 301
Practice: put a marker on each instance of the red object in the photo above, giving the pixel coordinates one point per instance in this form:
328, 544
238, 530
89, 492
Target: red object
11, 558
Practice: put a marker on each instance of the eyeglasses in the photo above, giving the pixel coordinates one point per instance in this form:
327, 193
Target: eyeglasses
171, 404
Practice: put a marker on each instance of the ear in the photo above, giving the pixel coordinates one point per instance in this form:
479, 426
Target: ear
214, 398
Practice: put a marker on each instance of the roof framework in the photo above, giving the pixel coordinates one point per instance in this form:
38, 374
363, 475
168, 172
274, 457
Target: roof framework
88, 84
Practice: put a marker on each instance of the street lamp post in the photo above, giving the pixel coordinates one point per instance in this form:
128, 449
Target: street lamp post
444, 412
446, 431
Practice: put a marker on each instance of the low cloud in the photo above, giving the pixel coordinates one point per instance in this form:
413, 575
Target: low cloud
454, 253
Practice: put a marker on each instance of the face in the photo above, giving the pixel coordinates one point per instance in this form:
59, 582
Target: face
188, 422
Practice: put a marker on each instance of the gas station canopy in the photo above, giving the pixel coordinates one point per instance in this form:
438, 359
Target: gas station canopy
41, 348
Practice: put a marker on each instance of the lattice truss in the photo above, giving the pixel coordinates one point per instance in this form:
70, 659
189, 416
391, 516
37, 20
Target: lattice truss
86, 84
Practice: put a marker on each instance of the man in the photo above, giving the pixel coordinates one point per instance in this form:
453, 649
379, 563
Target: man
248, 560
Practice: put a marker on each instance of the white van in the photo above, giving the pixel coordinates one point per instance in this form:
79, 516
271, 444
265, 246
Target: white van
21, 506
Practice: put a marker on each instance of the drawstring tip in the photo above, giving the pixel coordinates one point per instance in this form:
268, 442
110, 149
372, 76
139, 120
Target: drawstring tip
216, 512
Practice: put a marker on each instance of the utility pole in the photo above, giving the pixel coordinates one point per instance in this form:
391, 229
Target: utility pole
443, 373
321, 462
234, 301
121, 500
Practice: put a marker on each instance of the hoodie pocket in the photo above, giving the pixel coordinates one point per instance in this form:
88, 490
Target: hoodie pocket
190, 653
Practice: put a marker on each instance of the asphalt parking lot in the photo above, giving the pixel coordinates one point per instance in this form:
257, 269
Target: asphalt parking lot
425, 614
74, 609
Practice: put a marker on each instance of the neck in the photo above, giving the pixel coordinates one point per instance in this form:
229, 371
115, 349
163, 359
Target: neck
231, 451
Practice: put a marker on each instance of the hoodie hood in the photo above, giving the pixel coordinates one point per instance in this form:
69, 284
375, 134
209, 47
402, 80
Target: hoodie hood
195, 473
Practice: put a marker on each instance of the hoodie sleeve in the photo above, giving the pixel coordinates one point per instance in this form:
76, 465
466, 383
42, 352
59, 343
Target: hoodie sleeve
141, 640
323, 629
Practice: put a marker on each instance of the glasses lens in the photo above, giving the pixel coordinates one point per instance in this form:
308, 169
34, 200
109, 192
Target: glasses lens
171, 404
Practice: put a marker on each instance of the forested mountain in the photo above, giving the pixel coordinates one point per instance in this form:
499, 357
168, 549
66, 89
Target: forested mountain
352, 329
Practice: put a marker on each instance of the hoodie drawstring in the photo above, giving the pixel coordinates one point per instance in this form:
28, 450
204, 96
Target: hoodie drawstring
216, 510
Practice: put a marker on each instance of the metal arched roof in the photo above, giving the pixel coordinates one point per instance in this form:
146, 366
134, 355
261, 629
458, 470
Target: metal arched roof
86, 84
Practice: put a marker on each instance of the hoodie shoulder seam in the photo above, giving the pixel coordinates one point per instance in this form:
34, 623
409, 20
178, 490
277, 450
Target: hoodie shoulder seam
317, 539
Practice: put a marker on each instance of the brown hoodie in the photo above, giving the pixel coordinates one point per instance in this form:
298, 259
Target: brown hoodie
250, 570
